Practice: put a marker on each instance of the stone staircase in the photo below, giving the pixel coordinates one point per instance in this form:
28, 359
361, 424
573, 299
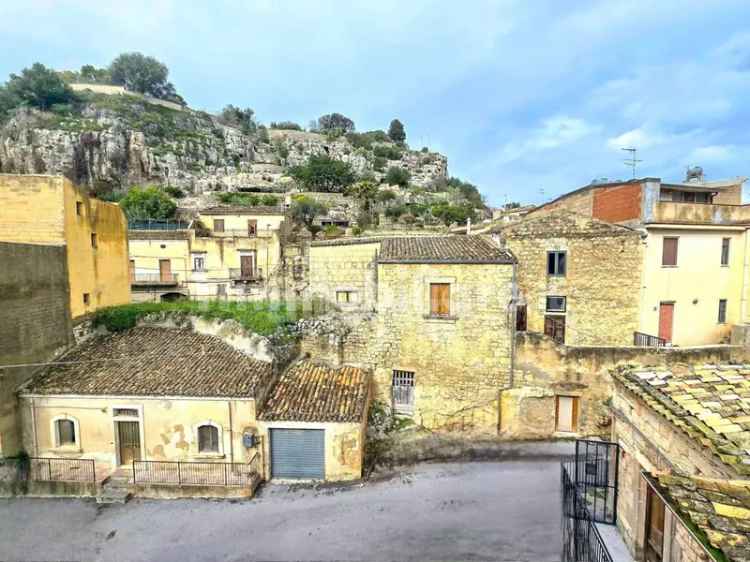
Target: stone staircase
116, 487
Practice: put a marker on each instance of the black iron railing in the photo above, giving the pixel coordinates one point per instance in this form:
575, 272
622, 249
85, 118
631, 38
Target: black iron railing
595, 472
645, 340
582, 541
179, 473
62, 470
238, 274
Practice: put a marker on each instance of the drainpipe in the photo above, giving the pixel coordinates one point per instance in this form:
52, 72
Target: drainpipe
231, 432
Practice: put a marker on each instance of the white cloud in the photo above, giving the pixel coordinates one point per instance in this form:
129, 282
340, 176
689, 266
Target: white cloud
712, 153
554, 132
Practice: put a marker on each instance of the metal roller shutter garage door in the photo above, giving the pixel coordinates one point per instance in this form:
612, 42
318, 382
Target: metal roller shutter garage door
298, 453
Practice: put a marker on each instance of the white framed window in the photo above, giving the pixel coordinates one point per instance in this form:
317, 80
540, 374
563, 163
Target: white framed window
402, 388
208, 436
555, 304
199, 262
66, 432
566, 413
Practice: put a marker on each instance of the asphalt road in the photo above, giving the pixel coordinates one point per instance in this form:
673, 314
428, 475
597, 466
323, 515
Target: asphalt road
455, 511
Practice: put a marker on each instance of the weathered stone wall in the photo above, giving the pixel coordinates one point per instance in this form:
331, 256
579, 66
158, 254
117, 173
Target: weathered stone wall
544, 369
36, 321
602, 283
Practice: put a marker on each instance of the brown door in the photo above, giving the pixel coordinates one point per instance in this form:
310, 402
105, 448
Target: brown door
654, 528
132, 271
521, 318
554, 327
129, 439
165, 270
247, 266
666, 317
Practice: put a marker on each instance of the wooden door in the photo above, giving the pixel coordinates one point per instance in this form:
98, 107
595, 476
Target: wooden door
666, 318
165, 271
247, 266
554, 327
654, 528
129, 440
521, 318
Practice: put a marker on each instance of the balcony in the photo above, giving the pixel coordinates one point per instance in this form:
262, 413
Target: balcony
154, 224
154, 280
646, 340
245, 276
671, 212
234, 233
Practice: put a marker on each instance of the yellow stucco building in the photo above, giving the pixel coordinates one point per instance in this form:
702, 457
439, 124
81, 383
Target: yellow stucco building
50, 210
227, 252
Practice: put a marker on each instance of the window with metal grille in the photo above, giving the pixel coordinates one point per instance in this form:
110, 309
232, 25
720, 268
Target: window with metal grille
725, 251
556, 304
346, 297
440, 299
403, 392
722, 311
669, 251
125, 412
208, 439
199, 263
557, 264
66, 432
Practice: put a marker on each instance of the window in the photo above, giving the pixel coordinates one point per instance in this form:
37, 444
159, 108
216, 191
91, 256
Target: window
554, 327
556, 304
65, 431
125, 412
722, 311
566, 413
221, 290
725, 251
208, 439
521, 318
403, 392
93, 239
440, 299
218, 225
252, 228
346, 297
86, 298
556, 264
79, 208
669, 252
199, 263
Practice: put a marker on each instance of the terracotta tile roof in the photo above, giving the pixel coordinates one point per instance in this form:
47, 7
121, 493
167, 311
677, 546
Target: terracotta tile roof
241, 210
158, 234
443, 249
312, 392
719, 508
148, 361
710, 403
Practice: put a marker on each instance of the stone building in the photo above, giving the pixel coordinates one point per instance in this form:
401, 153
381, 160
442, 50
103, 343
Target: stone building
227, 252
147, 397
684, 463
578, 278
693, 260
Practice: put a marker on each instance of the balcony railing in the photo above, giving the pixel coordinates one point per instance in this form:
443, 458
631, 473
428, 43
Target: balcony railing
235, 233
161, 279
62, 470
238, 274
645, 340
157, 224
179, 473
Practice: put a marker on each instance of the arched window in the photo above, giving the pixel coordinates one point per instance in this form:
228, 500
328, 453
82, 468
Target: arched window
65, 432
208, 439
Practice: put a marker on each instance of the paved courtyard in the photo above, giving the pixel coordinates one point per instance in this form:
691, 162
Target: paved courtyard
461, 511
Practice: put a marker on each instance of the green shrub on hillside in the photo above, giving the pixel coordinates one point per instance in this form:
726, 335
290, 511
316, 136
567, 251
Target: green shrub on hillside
143, 203
397, 176
387, 151
247, 199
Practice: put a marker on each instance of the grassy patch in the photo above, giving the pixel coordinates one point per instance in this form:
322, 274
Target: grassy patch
263, 318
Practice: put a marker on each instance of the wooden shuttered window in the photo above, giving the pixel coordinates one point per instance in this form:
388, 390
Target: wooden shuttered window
669, 251
218, 225
252, 228
440, 299
554, 327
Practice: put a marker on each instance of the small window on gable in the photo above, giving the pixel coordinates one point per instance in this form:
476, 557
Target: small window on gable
79, 208
218, 225
722, 311
208, 439
93, 240
557, 263
669, 251
725, 251
440, 299
556, 304
65, 433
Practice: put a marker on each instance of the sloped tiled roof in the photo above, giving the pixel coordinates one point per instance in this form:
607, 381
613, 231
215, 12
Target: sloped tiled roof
443, 249
313, 392
710, 403
719, 508
147, 361
562, 223
241, 210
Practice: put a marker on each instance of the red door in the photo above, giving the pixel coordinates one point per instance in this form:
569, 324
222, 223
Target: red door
666, 316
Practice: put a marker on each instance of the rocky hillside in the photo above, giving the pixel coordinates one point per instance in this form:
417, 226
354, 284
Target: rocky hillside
112, 142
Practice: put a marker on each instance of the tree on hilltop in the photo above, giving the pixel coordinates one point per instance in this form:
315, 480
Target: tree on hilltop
335, 122
396, 132
139, 73
37, 86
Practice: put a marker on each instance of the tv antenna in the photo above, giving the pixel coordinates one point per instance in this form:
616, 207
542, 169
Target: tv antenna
632, 162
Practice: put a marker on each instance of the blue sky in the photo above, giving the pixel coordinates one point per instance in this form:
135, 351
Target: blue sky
528, 99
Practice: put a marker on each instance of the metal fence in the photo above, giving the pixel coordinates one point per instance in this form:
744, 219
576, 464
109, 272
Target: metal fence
645, 340
595, 472
179, 473
157, 224
154, 279
582, 541
62, 470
